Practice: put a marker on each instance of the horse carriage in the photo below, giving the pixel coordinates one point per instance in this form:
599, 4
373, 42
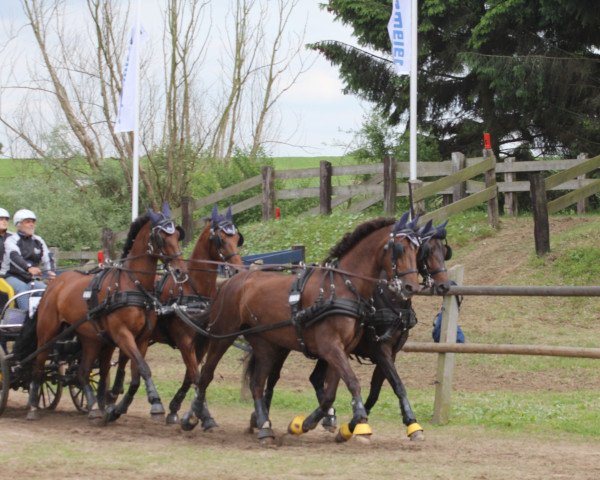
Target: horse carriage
16, 356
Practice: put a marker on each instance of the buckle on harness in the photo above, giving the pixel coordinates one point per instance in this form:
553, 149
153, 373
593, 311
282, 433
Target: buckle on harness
294, 298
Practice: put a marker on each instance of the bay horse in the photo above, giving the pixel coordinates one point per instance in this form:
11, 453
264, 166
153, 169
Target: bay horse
117, 312
217, 246
385, 337
327, 307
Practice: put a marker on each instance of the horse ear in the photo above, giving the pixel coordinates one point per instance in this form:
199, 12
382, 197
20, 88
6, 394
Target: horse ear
166, 210
426, 228
229, 215
214, 216
154, 217
413, 223
402, 222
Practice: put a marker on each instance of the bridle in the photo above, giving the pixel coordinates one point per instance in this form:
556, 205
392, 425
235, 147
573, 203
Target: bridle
230, 230
423, 255
396, 250
156, 247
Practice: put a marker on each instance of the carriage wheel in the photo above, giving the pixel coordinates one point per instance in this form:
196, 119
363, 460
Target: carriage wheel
50, 393
4, 380
78, 396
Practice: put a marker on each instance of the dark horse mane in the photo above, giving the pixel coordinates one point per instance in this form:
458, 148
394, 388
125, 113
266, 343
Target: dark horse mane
135, 228
349, 240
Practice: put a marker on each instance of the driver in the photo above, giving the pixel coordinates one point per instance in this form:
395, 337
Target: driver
26, 257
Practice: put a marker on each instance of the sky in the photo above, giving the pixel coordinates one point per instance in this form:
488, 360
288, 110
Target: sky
317, 117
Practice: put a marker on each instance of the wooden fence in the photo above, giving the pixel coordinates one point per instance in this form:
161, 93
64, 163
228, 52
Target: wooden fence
448, 347
461, 182
454, 180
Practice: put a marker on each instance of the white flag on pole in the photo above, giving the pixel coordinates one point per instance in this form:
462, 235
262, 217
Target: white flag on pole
399, 29
127, 103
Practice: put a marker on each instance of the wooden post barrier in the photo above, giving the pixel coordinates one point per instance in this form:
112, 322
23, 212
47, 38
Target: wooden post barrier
108, 244
539, 205
325, 187
186, 219
490, 181
268, 193
511, 205
459, 191
419, 205
582, 204
389, 186
445, 369
448, 346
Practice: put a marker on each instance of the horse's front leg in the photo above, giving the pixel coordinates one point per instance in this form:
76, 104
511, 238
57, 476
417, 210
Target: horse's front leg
119, 384
317, 379
199, 409
186, 343
104, 374
386, 367
139, 367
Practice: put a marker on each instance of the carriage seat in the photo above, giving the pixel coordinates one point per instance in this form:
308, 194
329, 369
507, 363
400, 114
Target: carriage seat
6, 293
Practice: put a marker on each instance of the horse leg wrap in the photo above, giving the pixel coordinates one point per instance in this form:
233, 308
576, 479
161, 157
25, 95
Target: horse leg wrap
200, 409
330, 420
413, 428
344, 433
295, 426
157, 409
174, 406
313, 419
32, 402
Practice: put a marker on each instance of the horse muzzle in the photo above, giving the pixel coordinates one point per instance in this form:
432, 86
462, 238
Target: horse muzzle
404, 289
441, 288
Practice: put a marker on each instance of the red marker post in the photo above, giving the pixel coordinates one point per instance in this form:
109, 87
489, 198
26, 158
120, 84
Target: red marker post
277, 213
487, 141
100, 257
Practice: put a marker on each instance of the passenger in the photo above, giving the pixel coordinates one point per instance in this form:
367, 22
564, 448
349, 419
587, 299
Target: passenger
26, 258
4, 233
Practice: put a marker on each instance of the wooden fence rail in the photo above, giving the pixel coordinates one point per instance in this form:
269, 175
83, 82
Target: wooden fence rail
447, 347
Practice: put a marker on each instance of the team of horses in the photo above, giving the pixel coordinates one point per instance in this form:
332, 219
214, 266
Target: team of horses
357, 302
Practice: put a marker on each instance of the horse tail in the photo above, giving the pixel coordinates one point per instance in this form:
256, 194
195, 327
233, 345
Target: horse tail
249, 368
27, 341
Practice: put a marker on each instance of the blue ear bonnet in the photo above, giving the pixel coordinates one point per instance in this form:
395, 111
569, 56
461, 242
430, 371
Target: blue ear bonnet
223, 222
407, 229
163, 219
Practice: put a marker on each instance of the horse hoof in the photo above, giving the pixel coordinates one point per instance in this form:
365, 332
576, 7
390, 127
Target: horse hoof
266, 436
110, 414
295, 426
33, 414
157, 417
172, 419
344, 434
417, 436
415, 432
189, 422
329, 423
209, 424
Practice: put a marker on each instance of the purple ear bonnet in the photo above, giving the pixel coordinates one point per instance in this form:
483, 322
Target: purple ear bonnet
223, 222
163, 219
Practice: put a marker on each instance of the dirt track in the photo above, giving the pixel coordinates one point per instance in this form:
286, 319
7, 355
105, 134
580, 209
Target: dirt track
63, 445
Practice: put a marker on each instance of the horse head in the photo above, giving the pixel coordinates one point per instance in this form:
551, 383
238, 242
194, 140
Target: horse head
225, 237
433, 254
163, 241
402, 247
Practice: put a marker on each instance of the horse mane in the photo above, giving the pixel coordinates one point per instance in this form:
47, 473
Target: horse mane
135, 228
349, 240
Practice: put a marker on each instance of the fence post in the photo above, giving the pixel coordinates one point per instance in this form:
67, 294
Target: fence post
490, 181
108, 243
581, 204
511, 206
325, 187
389, 185
186, 219
419, 206
539, 205
459, 161
268, 193
445, 368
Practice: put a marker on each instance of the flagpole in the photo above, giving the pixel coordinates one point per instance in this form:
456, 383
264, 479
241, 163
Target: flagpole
413, 92
136, 160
